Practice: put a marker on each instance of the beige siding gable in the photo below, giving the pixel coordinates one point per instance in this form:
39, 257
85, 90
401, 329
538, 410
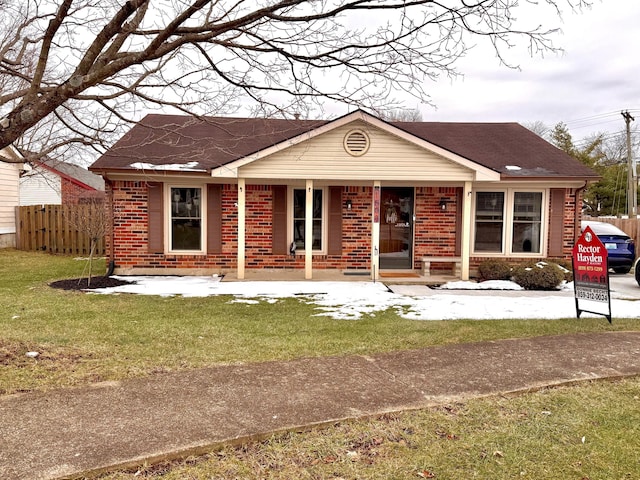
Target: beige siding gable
388, 157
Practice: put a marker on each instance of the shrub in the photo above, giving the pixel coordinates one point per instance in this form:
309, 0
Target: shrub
566, 266
539, 276
494, 269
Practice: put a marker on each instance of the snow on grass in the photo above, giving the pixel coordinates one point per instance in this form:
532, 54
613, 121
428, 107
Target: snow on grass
352, 300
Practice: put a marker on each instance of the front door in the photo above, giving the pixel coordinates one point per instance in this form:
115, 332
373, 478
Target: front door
396, 228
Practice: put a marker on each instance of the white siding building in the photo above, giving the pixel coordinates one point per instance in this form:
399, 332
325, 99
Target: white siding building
9, 198
40, 187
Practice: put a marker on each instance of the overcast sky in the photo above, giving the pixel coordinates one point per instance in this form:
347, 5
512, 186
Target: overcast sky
585, 87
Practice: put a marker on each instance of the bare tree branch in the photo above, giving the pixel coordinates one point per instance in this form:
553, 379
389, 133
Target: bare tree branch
92, 66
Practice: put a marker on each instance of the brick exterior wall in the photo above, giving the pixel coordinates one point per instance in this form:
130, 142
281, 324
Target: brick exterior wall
435, 231
130, 236
72, 193
570, 234
356, 228
259, 238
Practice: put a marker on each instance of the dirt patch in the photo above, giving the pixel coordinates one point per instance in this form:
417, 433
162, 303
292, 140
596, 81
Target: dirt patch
37, 361
14, 352
81, 283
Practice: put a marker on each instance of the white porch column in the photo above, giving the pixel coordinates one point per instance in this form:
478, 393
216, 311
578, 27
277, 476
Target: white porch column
308, 231
242, 201
375, 230
466, 230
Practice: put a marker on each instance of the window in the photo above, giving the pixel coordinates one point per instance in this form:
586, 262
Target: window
489, 221
509, 222
527, 220
186, 232
299, 217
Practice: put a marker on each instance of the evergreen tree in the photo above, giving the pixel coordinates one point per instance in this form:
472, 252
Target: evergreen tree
561, 138
607, 196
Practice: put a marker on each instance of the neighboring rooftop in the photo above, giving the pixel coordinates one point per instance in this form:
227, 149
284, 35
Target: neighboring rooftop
74, 172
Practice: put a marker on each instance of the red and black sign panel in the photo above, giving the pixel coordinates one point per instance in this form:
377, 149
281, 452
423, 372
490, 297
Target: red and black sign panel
591, 275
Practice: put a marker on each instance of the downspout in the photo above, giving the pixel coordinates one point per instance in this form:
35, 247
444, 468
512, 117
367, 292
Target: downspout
112, 260
577, 216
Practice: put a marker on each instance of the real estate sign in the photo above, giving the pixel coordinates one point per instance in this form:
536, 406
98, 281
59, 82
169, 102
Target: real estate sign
591, 275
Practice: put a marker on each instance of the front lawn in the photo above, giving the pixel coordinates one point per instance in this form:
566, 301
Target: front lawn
84, 338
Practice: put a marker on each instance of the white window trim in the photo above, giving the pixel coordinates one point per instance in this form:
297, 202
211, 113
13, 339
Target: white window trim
167, 219
507, 233
324, 228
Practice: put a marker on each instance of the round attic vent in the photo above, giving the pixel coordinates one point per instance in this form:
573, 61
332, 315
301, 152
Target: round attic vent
356, 143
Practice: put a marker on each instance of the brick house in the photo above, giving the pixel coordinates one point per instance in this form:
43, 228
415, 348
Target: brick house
356, 194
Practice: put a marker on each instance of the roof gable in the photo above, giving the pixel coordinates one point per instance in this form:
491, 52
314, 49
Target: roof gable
324, 154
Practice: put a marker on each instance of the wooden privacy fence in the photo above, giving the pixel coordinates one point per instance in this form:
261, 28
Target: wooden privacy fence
48, 228
630, 226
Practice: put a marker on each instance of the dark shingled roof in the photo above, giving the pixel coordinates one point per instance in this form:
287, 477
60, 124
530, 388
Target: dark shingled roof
210, 141
498, 145
216, 141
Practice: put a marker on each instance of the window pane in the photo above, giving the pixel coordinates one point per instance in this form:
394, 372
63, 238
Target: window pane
317, 204
299, 215
489, 221
186, 215
527, 222
185, 234
317, 235
298, 204
298, 233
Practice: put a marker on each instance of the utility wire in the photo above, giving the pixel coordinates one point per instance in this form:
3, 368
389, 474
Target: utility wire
592, 121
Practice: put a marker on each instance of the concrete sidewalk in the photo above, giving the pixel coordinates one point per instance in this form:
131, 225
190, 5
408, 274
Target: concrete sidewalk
85, 430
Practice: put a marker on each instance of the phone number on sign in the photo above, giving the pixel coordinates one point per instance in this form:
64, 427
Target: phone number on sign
592, 294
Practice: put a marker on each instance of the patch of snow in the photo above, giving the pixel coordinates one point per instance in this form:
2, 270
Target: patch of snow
186, 167
352, 300
486, 285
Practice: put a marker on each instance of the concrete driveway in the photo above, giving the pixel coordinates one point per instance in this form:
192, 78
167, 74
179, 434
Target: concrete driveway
624, 286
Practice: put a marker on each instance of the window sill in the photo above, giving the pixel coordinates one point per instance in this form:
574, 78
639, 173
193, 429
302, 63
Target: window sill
508, 255
186, 252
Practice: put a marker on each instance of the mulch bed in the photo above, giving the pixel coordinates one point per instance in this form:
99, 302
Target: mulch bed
81, 283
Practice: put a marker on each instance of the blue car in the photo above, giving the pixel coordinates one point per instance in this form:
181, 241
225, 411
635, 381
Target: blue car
620, 247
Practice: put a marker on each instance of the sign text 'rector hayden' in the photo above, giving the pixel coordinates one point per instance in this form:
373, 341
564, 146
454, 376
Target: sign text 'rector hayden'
589, 254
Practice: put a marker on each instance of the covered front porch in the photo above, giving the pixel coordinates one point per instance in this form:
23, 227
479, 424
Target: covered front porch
407, 232
349, 163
